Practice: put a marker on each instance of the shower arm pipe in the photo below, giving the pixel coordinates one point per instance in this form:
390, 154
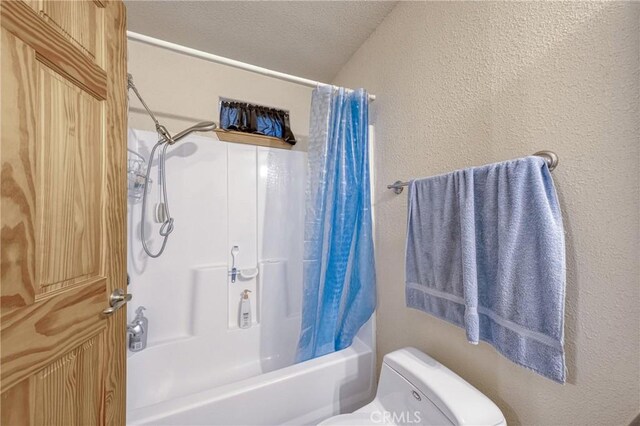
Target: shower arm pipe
550, 157
204, 126
225, 61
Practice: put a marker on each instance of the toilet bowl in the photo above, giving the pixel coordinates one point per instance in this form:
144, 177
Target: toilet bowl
415, 389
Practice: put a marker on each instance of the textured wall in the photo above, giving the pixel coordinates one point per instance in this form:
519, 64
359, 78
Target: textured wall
462, 84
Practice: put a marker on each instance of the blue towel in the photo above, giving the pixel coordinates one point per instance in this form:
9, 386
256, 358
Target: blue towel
485, 251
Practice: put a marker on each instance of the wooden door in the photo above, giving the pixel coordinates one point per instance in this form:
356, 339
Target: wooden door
63, 194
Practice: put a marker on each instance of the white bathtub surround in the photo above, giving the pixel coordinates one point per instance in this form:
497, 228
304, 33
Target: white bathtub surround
223, 195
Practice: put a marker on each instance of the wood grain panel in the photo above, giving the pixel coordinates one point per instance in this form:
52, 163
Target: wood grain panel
63, 218
17, 186
53, 48
69, 183
80, 21
115, 211
69, 390
34, 4
32, 336
17, 405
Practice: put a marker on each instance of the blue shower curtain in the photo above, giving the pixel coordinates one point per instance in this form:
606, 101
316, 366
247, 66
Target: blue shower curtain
339, 268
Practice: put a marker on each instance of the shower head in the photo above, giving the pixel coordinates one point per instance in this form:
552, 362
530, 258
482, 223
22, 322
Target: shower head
204, 126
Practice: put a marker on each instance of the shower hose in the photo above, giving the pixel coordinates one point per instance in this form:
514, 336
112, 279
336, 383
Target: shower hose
167, 226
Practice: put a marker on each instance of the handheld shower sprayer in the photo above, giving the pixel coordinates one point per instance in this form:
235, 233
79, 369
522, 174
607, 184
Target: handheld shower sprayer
167, 140
167, 226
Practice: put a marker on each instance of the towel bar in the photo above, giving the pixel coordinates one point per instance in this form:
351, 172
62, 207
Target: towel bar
549, 156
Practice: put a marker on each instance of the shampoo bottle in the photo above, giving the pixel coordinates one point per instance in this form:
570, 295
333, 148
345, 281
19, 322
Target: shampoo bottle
245, 310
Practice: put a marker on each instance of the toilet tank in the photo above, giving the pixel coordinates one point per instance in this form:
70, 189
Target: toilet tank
415, 388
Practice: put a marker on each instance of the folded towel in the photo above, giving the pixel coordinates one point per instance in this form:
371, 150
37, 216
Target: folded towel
485, 251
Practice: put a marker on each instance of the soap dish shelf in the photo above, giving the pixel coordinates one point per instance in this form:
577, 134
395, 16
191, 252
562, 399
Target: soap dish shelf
245, 274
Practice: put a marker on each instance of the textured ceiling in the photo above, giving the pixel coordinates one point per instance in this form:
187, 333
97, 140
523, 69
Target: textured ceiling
311, 39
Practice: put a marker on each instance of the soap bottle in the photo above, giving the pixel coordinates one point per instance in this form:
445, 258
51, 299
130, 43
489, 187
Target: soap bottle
245, 310
138, 330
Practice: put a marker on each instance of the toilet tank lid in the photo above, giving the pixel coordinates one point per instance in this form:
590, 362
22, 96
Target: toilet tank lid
457, 399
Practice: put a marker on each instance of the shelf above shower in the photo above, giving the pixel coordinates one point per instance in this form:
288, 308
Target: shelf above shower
251, 139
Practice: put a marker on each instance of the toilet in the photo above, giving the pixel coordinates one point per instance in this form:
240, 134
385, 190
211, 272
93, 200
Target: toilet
415, 389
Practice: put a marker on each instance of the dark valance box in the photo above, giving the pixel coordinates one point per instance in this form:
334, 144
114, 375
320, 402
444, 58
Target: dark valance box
256, 119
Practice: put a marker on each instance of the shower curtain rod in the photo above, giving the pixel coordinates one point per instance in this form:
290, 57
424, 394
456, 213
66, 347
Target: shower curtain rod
225, 61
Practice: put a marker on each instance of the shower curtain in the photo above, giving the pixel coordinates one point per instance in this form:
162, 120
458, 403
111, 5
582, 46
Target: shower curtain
339, 270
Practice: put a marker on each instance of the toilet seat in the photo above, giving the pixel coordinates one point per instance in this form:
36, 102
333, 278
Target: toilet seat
370, 414
415, 389
353, 419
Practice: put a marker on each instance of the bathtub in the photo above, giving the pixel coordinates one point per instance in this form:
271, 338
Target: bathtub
301, 394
